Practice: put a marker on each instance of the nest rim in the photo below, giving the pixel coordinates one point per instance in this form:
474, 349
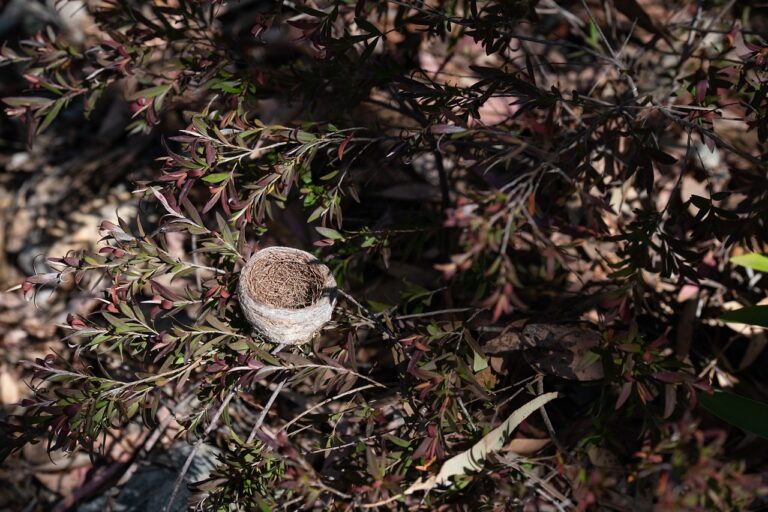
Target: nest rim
323, 279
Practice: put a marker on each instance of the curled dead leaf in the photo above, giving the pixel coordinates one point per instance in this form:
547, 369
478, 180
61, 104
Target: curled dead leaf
506, 342
486, 378
525, 446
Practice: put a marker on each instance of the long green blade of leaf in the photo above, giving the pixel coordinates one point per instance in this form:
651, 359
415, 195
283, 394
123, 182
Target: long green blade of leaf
754, 261
752, 315
739, 411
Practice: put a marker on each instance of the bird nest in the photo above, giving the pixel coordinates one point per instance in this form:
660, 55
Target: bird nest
286, 281
286, 294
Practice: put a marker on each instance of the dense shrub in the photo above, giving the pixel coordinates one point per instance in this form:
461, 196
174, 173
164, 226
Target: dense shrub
465, 168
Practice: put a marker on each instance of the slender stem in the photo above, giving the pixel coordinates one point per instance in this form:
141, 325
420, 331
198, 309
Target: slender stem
303, 366
369, 315
263, 415
196, 447
547, 422
434, 313
324, 402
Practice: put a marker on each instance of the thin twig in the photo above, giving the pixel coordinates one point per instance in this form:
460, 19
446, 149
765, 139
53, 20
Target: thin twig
547, 422
434, 313
445, 188
544, 488
689, 49
265, 411
369, 315
196, 447
324, 402
339, 369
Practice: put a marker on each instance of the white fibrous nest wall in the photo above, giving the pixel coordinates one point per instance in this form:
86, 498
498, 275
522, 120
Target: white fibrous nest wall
286, 294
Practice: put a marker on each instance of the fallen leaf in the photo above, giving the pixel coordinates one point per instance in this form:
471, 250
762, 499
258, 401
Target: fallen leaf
486, 378
525, 446
563, 350
497, 365
506, 342
472, 459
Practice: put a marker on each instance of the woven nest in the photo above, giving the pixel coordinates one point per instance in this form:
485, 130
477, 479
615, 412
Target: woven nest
284, 281
286, 294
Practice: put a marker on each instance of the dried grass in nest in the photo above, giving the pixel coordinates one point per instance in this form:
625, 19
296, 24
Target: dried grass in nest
286, 294
282, 281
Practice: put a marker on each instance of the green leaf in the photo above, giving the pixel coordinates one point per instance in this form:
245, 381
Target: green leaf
330, 233
27, 101
739, 411
329, 176
316, 214
216, 177
479, 363
754, 260
753, 315
51, 115
378, 307
305, 137
402, 443
150, 93
115, 321
199, 123
131, 410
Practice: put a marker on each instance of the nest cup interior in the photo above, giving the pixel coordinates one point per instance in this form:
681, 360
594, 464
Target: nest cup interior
286, 281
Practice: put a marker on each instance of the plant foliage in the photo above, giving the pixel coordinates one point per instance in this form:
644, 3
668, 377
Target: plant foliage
465, 167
